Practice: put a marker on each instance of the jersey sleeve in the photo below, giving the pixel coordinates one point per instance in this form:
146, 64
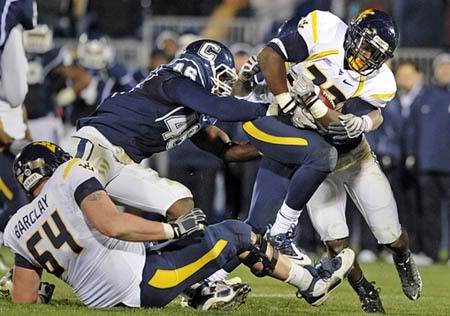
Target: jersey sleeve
380, 89
229, 109
319, 27
21, 261
292, 47
81, 179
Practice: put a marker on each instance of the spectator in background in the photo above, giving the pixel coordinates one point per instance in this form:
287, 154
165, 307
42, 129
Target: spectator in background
167, 42
430, 127
390, 141
422, 23
118, 18
40, 101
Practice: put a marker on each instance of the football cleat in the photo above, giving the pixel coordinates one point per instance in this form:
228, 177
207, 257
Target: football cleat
369, 296
409, 277
216, 295
327, 276
284, 243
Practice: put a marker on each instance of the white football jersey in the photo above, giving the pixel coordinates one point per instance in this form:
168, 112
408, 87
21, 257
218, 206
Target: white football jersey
324, 35
52, 233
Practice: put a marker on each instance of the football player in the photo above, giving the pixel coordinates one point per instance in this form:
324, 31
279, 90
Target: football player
347, 62
16, 16
73, 230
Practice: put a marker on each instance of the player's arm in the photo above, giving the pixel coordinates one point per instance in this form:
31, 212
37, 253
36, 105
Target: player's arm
271, 60
214, 140
25, 285
228, 109
97, 206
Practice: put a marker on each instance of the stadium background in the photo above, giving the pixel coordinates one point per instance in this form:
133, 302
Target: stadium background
143, 33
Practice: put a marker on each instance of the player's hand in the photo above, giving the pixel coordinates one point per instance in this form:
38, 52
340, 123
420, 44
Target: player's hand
45, 292
249, 69
303, 119
17, 145
303, 91
189, 223
6, 284
350, 126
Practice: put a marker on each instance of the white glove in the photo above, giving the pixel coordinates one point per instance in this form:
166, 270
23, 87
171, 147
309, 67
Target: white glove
304, 91
350, 126
249, 69
6, 284
45, 292
189, 223
303, 119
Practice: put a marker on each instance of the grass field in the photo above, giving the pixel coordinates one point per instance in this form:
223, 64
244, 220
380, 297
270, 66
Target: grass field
270, 297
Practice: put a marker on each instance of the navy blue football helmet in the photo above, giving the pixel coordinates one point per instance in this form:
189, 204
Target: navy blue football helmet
217, 65
371, 39
36, 161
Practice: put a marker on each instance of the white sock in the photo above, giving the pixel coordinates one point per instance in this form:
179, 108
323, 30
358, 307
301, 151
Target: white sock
299, 277
286, 217
219, 275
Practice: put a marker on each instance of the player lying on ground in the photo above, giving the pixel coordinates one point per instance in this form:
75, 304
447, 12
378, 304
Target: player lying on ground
73, 230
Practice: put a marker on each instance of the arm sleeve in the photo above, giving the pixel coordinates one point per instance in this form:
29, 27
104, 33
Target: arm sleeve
228, 109
87, 187
14, 66
358, 106
20, 261
291, 47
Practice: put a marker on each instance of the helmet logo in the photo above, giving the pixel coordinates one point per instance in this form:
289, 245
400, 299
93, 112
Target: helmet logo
209, 51
48, 145
364, 14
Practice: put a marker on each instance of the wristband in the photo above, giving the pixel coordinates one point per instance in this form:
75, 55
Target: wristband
283, 98
169, 233
318, 109
368, 121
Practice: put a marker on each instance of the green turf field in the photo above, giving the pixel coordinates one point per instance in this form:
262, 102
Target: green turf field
270, 297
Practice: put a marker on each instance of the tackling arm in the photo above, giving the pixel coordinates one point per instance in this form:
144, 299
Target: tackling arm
212, 139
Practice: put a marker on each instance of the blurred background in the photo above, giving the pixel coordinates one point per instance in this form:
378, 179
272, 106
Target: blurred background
85, 50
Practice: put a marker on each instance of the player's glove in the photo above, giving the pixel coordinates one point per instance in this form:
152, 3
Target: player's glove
6, 284
189, 223
350, 126
304, 91
303, 119
45, 292
17, 145
249, 69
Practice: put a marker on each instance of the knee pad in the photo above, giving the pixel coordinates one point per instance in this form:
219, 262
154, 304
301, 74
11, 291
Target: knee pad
336, 246
258, 254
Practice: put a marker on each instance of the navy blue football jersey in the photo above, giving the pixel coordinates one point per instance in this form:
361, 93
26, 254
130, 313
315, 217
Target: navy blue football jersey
164, 110
14, 12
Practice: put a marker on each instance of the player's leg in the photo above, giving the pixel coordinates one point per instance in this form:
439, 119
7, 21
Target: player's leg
127, 182
12, 196
187, 262
327, 212
306, 153
372, 194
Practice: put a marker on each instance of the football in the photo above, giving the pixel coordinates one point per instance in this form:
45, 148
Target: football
326, 98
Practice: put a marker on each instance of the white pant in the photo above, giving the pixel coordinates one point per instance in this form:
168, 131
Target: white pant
126, 181
359, 174
48, 128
